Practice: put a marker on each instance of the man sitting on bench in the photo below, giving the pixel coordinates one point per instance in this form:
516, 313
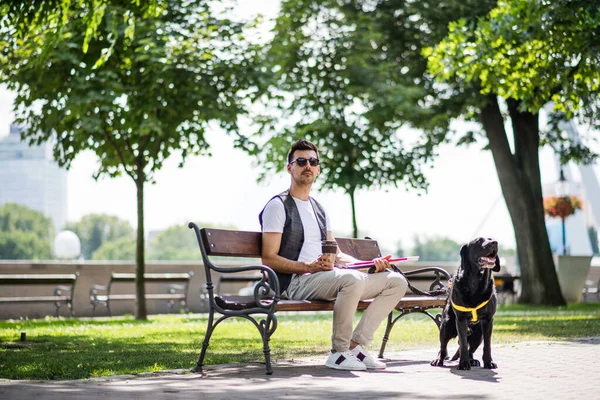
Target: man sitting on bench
293, 227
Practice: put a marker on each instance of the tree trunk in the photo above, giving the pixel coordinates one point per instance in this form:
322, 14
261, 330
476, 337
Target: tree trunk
353, 205
140, 289
519, 176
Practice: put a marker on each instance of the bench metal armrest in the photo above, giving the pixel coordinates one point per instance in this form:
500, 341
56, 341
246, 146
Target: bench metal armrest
62, 288
266, 291
94, 289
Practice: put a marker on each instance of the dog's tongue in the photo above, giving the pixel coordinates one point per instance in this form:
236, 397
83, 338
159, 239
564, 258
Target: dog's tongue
487, 261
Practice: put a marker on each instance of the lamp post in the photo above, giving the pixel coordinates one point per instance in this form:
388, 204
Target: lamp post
561, 191
563, 181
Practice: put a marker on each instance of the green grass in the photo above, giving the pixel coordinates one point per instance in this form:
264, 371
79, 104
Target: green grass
75, 348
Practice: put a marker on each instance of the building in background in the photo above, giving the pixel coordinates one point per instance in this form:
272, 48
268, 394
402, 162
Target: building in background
29, 176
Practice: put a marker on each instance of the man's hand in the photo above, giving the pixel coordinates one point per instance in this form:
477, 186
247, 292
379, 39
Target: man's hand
319, 265
381, 263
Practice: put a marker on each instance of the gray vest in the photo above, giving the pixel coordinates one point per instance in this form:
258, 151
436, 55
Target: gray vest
292, 238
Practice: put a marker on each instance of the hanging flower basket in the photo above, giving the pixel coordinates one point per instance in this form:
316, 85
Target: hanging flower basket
561, 206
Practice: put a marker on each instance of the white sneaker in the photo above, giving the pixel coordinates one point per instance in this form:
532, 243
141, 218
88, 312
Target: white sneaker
344, 360
371, 363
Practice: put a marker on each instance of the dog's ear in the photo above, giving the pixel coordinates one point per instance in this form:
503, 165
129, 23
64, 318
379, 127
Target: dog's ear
464, 254
497, 266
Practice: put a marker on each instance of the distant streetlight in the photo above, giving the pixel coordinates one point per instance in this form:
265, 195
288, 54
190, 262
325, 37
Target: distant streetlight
562, 188
67, 246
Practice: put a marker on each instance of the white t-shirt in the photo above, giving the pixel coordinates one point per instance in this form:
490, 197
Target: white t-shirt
273, 220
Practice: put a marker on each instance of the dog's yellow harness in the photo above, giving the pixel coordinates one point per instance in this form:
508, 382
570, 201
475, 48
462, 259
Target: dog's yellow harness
472, 310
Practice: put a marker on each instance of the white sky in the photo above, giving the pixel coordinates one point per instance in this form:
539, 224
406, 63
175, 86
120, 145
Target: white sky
463, 201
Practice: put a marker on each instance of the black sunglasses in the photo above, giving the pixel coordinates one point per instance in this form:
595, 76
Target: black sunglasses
301, 161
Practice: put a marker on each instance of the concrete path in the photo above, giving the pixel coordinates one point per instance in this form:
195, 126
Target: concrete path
533, 370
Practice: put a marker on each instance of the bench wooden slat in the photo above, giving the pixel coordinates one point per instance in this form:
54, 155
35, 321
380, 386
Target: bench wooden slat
406, 302
150, 296
152, 277
36, 298
227, 243
240, 277
362, 249
221, 242
37, 279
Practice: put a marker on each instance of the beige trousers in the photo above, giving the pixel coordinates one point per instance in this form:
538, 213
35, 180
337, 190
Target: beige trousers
347, 287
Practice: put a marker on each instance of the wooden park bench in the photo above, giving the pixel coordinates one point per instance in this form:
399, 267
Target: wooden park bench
267, 300
177, 291
63, 285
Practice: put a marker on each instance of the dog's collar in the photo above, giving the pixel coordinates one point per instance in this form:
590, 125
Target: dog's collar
472, 310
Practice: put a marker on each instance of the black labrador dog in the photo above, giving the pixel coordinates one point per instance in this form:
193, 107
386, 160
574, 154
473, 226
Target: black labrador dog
471, 305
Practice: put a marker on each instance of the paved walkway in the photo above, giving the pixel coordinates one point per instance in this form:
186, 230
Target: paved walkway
538, 370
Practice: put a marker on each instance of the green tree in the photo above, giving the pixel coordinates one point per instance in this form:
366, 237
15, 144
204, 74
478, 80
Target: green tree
348, 76
529, 53
153, 94
53, 15
176, 243
435, 249
25, 234
94, 230
122, 248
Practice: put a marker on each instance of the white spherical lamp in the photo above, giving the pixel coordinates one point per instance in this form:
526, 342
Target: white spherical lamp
67, 245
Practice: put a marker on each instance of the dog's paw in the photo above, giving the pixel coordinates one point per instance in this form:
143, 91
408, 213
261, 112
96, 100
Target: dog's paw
464, 365
490, 365
438, 362
475, 363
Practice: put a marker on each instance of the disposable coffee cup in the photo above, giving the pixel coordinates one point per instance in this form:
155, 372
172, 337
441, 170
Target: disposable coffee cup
329, 250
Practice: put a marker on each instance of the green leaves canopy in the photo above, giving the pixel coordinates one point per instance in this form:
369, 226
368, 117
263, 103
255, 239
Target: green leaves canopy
176, 243
53, 15
534, 52
94, 230
350, 77
25, 234
151, 94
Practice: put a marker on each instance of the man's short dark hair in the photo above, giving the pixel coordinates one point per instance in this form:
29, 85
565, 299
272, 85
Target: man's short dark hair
302, 145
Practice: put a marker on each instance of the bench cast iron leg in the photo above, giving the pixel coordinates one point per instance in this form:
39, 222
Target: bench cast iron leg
386, 336
267, 327
209, 330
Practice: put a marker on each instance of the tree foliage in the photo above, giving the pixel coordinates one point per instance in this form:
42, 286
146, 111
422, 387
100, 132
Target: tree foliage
174, 243
435, 249
177, 243
25, 234
94, 230
132, 99
350, 77
121, 248
533, 52
53, 15
155, 95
